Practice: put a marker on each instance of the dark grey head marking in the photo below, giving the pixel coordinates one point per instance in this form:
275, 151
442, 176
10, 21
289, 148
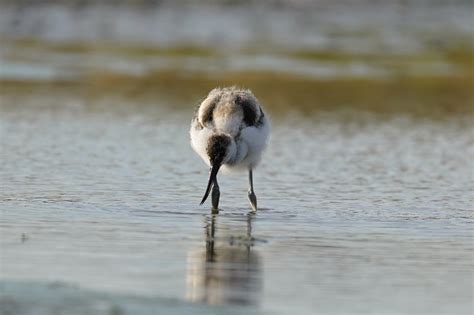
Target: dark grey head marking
260, 120
207, 115
217, 148
248, 107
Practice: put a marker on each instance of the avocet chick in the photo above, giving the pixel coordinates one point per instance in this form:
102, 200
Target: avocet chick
229, 130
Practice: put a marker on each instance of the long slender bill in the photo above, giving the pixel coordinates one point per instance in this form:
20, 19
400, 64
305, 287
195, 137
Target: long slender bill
212, 178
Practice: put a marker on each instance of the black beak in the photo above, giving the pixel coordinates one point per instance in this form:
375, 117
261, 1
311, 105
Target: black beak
212, 179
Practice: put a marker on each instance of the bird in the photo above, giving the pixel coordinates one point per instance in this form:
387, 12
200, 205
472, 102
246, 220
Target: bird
229, 131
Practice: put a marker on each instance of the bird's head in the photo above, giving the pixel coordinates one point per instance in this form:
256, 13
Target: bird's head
220, 150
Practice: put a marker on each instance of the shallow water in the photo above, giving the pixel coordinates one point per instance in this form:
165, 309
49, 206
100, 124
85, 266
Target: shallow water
99, 213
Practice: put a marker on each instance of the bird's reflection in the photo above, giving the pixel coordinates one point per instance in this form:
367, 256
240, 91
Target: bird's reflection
230, 270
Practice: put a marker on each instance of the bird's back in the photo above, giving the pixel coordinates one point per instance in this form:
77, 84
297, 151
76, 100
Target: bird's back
237, 115
229, 110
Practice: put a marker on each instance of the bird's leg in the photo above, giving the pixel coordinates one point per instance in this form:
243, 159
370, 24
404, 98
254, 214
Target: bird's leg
215, 197
251, 193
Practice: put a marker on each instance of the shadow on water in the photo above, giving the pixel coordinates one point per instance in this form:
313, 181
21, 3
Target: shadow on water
230, 270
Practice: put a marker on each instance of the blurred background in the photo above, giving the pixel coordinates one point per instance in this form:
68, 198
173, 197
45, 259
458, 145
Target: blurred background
382, 56
365, 192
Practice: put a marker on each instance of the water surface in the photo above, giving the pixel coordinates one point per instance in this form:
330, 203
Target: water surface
99, 212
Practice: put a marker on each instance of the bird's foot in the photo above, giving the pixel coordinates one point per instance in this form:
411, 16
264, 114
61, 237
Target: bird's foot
253, 200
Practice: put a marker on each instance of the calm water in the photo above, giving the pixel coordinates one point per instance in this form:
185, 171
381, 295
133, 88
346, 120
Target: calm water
99, 214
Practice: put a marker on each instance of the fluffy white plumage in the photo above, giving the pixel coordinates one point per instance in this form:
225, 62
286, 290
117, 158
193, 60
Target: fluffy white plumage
247, 141
229, 131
